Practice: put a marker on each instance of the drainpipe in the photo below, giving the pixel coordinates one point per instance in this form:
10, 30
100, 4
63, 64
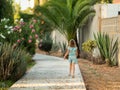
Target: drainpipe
100, 18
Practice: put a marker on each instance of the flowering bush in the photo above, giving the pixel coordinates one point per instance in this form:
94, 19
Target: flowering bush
89, 45
21, 34
5, 30
26, 34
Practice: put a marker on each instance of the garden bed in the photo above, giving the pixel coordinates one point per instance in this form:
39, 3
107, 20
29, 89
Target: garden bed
100, 77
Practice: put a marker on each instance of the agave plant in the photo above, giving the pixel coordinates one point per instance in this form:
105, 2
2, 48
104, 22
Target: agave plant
63, 47
107, 47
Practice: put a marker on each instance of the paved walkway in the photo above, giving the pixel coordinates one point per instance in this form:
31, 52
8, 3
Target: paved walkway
49, 73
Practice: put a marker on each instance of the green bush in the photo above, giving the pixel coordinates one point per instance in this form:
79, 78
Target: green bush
46, 46
26, 16
6, 30
23, 34
6, 9
12, 62
46, 43
89, 45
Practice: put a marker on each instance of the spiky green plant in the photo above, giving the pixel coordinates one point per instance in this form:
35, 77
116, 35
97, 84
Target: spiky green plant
12, 62
63, 46
108, 47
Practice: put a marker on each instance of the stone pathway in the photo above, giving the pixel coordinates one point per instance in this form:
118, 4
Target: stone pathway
50, 73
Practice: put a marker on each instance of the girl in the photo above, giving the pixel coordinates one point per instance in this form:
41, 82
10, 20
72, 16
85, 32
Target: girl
72, 56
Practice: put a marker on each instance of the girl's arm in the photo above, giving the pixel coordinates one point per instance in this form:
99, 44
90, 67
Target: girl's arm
76, 52
67, 52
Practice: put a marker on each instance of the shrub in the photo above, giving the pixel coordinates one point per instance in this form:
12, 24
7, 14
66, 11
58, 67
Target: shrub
12, 62
26, 16
46, 46
6, 30
46, 43
22, 34
89, 45
6, 9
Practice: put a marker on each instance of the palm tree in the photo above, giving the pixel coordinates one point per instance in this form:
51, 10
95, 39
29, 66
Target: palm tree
67, 16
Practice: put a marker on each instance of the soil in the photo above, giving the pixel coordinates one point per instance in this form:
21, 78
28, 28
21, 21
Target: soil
100, 77
96, 77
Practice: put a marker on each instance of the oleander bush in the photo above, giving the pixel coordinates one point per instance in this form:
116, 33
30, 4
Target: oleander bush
22, 34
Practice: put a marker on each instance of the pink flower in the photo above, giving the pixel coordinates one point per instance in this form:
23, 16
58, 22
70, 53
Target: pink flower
30, 37
23, 38
16, 28
36, 36
29, 41
18, 41
22, 23
33, 30
31, 26
34, 20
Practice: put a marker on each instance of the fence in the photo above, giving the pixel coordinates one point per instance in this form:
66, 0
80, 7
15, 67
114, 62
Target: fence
112, 27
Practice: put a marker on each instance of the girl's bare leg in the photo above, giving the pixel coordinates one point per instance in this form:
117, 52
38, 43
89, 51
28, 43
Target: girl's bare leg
70, 70
73, 70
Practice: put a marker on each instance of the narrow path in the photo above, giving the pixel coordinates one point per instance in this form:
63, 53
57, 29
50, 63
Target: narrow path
50, 73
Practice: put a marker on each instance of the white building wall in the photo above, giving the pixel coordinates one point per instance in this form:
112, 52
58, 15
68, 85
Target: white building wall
93, 25
24, 4
102, 11
109, 10
58, 37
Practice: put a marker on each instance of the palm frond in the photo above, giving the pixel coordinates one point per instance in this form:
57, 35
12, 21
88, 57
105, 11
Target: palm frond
67, 15
84, 17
